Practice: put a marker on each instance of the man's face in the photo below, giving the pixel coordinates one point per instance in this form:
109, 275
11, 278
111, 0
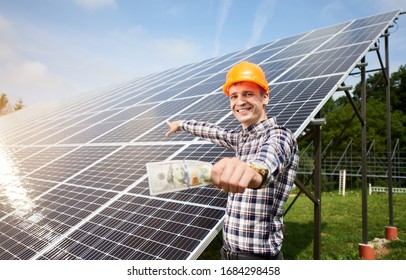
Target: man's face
247, 103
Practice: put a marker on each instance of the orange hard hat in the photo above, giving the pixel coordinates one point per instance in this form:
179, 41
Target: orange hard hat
245, 72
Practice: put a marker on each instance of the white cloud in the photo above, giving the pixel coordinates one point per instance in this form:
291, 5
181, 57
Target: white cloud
222, 16
94, 4
32, 82
7, 37
25, 78
38, 65
264, 12
138, 51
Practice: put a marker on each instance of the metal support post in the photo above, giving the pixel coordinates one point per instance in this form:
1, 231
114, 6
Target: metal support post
363, 156
317, 186
391, 230
366, 250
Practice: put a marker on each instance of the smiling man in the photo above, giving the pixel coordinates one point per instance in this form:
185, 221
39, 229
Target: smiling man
259, 178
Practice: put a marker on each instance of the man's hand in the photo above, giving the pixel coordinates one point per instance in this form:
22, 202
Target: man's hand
234, 175
173, 127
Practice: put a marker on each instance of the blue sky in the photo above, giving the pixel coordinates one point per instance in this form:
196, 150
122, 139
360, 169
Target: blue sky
53, 49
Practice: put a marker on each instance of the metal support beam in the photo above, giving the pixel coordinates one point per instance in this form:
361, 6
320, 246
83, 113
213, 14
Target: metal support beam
354, 107
316, 197
388, 131
317, 187
363, 154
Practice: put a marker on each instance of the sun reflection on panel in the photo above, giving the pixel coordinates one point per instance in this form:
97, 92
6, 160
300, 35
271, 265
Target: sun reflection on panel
12, 191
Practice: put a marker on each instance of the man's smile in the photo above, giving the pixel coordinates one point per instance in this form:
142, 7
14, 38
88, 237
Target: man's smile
243, 110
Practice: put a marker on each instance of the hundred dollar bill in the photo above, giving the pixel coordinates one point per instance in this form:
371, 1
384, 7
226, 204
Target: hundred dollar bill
177, 175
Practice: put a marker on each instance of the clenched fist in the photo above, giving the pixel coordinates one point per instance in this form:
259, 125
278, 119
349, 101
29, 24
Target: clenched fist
234, 175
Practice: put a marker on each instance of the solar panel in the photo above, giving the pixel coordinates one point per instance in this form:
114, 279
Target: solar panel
73, 179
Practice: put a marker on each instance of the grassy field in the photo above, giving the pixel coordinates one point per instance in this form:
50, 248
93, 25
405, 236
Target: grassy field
341, 230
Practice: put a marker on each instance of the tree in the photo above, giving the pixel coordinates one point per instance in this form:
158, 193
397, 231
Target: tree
342, 121
6, 107
19, 105
342, 124
4, 104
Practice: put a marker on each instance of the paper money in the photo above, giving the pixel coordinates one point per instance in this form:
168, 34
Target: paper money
177, 175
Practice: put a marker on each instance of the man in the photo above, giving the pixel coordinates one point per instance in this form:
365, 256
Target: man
259, 179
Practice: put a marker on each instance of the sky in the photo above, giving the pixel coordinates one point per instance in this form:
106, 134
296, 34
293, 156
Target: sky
55, 49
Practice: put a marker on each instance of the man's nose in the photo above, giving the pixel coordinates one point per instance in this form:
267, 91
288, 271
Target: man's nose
241, 100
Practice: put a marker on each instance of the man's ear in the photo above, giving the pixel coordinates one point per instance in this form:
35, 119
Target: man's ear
266, 98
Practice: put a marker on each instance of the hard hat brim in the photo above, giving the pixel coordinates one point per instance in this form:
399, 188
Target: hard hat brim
226, 86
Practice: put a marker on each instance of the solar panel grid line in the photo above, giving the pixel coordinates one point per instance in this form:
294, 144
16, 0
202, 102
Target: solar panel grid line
180, 92
158, 221
95, 212
87, 238
58, 183
60, 109
34, 228
195, 254
87, 134
117, 89
304, 57
358, 36
38, 156
175, 79
373, 19
301, 47
235, 55
324, 76
123, 124
182, 81
345, 75
345, 56
76, 227
111, 96
26, 137
372, 28
16, 138
281, 49
122, 167
317, 64
157, 209
83, 159
119, 124
18, 119
74, 127
326, 31
167, 119
97, 93
173, 117
305, 123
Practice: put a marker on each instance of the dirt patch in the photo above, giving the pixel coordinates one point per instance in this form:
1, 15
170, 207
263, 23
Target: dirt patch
380, 246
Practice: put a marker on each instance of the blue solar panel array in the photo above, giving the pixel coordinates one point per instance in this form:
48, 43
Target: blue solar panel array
73, 181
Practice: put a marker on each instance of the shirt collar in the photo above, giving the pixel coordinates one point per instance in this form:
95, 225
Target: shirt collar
262, 125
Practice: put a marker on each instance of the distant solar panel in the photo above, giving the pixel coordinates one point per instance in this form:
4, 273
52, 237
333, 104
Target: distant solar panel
73, 181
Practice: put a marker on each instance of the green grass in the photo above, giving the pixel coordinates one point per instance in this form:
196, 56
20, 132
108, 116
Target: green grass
341, 231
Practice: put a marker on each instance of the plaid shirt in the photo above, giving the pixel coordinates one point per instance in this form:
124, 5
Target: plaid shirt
254, 219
